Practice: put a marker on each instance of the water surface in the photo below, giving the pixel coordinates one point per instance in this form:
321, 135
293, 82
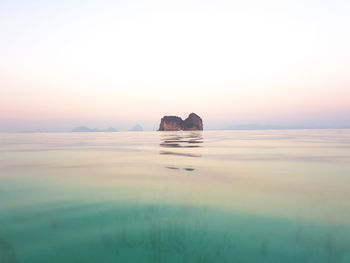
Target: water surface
212, 196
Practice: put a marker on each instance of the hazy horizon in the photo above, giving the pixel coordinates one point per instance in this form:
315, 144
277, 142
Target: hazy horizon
102, 63
237, 127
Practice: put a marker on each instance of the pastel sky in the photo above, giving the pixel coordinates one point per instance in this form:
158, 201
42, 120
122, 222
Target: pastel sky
118, 63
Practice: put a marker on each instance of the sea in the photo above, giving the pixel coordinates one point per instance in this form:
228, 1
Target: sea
187, 196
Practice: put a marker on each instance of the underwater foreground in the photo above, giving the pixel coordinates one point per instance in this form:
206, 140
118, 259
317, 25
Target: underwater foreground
212, 196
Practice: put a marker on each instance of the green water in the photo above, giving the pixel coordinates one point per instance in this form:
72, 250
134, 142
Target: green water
212, 196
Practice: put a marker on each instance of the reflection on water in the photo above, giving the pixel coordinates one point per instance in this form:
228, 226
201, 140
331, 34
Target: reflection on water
183, 144
190, 169
180, 154
181, 139
172, 167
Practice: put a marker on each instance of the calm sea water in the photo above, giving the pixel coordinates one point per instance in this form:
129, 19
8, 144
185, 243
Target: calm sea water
212, 196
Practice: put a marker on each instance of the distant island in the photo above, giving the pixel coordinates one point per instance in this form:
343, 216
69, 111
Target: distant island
174, 123
86, 129
137, 127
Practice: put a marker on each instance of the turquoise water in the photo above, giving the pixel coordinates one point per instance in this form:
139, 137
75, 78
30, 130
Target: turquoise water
212, 196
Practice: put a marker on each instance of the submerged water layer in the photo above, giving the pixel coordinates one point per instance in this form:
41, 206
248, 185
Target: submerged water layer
228, 196
167, 233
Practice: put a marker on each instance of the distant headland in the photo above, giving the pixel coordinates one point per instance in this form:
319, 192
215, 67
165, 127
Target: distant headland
137, 127
174, 123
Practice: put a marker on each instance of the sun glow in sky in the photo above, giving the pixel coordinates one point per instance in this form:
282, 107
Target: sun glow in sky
117, 63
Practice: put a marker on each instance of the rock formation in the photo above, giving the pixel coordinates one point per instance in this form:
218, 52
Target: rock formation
193, 123
174, 123
170, 123
137, 127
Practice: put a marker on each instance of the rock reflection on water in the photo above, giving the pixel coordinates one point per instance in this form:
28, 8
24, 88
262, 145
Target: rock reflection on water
181, 140
180, 154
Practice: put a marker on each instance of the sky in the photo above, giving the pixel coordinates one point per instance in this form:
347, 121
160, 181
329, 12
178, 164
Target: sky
104, 63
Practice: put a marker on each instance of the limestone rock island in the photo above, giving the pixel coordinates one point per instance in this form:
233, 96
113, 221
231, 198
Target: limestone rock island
174, 123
